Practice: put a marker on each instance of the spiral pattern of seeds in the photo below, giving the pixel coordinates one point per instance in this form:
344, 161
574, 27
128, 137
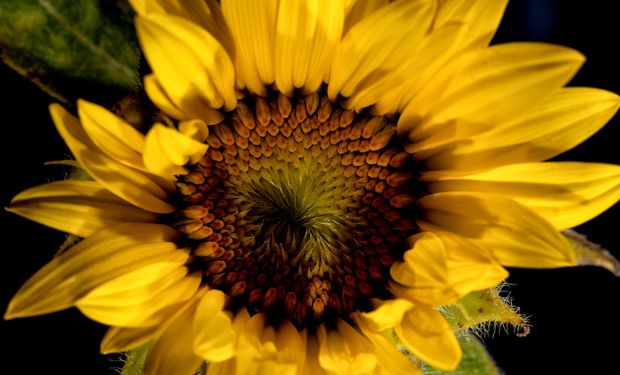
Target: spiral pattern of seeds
299, 208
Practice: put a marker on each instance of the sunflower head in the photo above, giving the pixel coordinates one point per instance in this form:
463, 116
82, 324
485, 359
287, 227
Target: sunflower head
323, 177
299, 208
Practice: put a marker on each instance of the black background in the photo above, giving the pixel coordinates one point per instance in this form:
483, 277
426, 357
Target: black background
574, 312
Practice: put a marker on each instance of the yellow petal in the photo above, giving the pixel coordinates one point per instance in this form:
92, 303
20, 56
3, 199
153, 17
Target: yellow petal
195, 129
259, 338
306, 35
133, 299
167, 150
206, 13
470, 268
345, 351
189, 63
222, 368
275, 367
111, 134
76, 207
158, 95
563, 121
426, 334
249, 330
386, 315
570, 193
256, 345
488, 86
482, 18
514, 235
103, 256
291, 345
147, 6
390, 359
214, 338
425, 272
256, 368
395, 89
262, 350
252, 25
128, 183
357, 10
458, 27
122, 339
171, 352
199, 108
311, 364
378, 45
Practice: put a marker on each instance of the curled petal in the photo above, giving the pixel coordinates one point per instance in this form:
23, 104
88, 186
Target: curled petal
214, 339
424, 274
189, 63
136, 187
168, 150
426, 333
345, 351
111, 134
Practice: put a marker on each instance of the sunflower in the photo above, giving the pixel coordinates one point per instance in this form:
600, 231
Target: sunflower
322, 177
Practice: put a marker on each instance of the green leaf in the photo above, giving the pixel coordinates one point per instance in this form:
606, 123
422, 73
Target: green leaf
71, 48
476, 360
591, 254
479, 310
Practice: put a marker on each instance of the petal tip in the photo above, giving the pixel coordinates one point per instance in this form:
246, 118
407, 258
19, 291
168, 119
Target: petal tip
55, 108
13, 311
8, 315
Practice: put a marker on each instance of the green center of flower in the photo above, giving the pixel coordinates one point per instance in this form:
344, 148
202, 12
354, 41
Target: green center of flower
299, 208
300, 214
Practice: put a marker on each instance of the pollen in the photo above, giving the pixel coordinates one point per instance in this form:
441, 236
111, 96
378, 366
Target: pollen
299, 208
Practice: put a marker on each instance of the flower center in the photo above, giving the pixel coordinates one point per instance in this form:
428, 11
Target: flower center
299, 212
299, 208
